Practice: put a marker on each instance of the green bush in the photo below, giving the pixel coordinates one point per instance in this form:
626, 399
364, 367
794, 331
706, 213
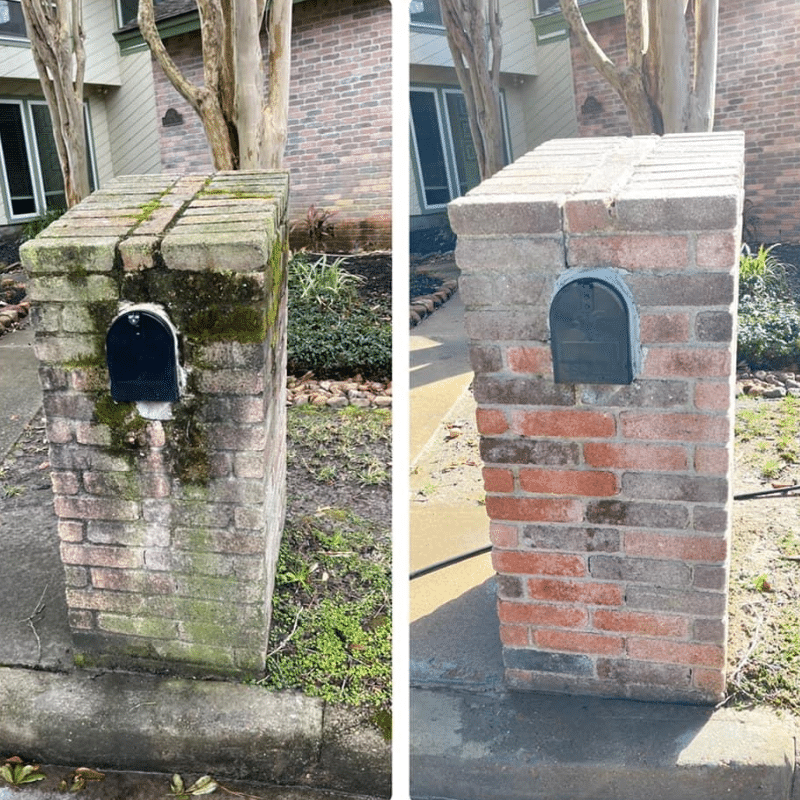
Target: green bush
331, 331
769, 320
36, 226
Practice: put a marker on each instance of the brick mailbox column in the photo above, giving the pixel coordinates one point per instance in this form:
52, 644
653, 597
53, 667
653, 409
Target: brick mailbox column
170, 510
609, 492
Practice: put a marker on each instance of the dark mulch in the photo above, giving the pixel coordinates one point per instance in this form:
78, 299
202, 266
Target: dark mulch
421, 284
9, 252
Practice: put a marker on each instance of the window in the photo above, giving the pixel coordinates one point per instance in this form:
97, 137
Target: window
31, 171
446, 163
426, 12
12, 23
128, 9
543, 6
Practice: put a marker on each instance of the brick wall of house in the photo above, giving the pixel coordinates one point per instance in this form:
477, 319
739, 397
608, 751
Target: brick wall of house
757, 75
609, 502
339, 148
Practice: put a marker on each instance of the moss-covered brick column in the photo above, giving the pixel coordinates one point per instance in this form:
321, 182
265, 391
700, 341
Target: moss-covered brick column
609, 491
170, 515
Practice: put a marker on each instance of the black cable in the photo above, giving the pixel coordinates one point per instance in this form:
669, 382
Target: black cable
766, 492
448, 562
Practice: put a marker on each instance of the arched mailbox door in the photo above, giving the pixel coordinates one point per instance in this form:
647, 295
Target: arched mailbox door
141, 351
590, 334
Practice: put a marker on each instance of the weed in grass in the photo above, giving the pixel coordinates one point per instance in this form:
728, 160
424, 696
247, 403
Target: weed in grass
13, 491
771, 468
331, 637
337, 445
774, 429
772, 673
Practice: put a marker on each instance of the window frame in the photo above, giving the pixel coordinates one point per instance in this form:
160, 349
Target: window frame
553, 8
7, 37
446, 149
33, 163
432, 26
440, 93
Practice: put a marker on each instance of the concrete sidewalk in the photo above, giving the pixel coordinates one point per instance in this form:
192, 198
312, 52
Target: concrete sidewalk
473, 740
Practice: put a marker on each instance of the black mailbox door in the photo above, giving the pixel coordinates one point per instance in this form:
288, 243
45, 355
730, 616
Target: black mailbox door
590, 334
141, 355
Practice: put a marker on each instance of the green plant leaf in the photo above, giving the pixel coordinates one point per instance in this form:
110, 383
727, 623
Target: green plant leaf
176, 785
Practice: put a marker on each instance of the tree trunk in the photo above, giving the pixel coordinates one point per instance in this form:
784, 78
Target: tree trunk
205, 100
56, 34
244, 130
478, 77
276, 108
656, 85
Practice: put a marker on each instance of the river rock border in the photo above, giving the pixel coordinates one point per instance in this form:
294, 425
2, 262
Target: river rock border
424, 305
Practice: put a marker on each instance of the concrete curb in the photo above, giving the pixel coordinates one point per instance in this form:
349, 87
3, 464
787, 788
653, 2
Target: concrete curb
540, 747
146, 723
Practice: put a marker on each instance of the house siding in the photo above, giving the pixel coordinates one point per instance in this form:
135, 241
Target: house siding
132, 122
339, 148
758, 71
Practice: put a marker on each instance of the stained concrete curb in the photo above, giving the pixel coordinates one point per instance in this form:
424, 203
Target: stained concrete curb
148, 723
540, 747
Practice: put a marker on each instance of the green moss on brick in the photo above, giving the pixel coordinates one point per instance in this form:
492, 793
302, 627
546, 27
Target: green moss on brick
187, 444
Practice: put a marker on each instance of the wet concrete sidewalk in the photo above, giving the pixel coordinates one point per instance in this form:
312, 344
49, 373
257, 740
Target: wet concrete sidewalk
473, 740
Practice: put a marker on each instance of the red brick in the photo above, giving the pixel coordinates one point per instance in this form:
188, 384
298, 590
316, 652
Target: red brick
684, 548
110, 508
101, 556
514, 635
534, 360
717, 250
503, 536
491, 421
568, 423
709, 680
644, 624
661, 328
498, 480
705, 655
668, 362
575, 642
712, 396
674, 427
712, 460
524, 563
639, 252
636, 456
541, 614
556, 591
586, 483
531, 509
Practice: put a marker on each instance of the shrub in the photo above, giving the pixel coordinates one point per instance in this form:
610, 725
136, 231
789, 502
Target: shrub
769, 320
331, 332
36, 226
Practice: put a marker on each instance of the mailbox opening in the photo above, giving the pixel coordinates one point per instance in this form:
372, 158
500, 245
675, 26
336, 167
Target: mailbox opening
591, 333
142, 356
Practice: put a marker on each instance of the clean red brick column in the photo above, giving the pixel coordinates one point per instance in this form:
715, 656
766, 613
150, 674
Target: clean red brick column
610, 504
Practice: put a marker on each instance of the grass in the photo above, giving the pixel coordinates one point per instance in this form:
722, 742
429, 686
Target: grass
331, 629
774, 427
765, 560
337, 446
